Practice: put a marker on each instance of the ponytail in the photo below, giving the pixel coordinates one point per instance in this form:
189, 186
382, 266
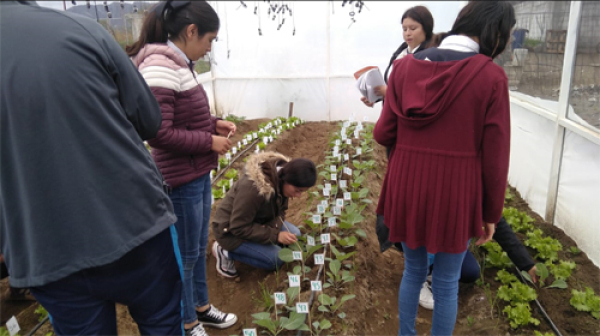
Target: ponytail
169, 18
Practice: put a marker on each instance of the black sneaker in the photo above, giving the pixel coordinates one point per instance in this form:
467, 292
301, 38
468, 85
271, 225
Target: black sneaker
216, 318
225, 266
196, 330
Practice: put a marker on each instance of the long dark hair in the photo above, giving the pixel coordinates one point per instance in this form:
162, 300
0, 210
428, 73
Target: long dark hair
423, 16
169, 18
300, 173
491, 21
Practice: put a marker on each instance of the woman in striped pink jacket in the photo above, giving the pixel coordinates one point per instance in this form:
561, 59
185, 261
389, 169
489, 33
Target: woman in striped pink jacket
186, 148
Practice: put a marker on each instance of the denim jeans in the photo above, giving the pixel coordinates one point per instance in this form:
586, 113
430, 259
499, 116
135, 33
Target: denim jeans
191, 203
444, 287
259, 255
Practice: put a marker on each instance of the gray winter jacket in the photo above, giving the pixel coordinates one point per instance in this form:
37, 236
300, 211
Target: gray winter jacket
78, 188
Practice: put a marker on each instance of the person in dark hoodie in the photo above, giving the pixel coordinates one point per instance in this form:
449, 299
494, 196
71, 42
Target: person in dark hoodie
447, 173
417, 30
84, 219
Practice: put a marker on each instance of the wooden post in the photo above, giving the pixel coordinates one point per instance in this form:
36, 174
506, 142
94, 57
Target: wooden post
291, 112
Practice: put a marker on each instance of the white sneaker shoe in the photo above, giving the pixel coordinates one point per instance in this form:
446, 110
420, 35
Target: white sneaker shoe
225, 266
197, 330
426, 296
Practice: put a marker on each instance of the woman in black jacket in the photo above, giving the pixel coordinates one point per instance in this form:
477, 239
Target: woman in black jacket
417, 30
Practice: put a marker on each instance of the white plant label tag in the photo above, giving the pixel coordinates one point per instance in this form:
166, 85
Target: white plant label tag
234, 150
325, 238
319, 258
315, 286
326, 192
347, 196
12, 326
348, 171
331, 221
343, 130
346, 123
344, 137
212, 173
339, 157
337, 211
346, 157
257, 150
358, 151
228, 156
280, 298
316, 219
333, 176
294, 280
302, 307
339, 202
310, 241
254, 135
230, 183
212, 199
224, 190
337, 142
250, 332
245, 142
324, 202
356, 134
249, 137
278, 131
336, 148
270, 138
332, 168
320, 209
266, 140
343, 184
327, 186
348, 141
297, 255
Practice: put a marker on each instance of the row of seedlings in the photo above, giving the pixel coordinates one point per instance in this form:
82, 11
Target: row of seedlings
552, 272
266, 133
329, 237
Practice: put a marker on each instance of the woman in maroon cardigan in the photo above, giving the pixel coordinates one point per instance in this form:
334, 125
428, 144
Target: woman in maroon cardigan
446, 116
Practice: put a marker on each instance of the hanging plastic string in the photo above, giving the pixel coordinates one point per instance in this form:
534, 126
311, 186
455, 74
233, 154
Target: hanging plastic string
227, 32
293, 19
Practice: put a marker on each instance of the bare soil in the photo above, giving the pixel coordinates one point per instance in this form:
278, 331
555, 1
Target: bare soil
374, 311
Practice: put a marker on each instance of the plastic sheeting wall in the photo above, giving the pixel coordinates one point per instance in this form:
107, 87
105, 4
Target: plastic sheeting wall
312, 69
578, 207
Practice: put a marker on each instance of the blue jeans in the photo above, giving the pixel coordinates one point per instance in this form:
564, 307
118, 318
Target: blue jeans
469, 271
191, 203
259, 255
444, 287
146, 279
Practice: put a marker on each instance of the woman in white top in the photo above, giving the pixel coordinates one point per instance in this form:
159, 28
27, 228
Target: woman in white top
417, 29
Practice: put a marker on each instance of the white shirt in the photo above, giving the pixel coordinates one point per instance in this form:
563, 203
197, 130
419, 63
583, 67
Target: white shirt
459, 43
180, 52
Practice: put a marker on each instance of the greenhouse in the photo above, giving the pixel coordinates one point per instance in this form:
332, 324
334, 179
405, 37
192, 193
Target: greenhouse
285, 73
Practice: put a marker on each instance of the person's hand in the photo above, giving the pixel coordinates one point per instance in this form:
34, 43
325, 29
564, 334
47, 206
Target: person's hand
380, 90
489, 229
224, 127
368, 103
220, 144
286, 238
532, 274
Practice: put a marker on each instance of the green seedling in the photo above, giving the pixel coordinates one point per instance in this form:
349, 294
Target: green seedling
336, 277
218, 193
223, 162
319, 326
574, 250
505, 277
231, 174
330, 304
537, 333
520, 315
495, 256
542, 272
470, 321
235, 119
341, 256
518, 220
517, 292
547, 247
586, 301
42, 312
562, 270
274, 327
265, 299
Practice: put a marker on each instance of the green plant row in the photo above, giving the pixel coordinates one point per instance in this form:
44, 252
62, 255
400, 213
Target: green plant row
336, 216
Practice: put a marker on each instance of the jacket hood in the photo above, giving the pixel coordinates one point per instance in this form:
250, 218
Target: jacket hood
254, 171
158, 54
426, 89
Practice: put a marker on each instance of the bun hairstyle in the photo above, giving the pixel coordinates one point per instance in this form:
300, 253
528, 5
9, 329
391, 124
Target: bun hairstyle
423, 16
168, 19
490, 21
300, 173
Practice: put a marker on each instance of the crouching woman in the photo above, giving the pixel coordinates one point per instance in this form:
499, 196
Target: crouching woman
249, 224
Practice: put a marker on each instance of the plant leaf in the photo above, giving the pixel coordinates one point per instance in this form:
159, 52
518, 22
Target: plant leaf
286, 255
558, 284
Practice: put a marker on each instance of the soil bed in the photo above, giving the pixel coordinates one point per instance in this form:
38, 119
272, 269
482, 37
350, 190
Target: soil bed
374, 311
